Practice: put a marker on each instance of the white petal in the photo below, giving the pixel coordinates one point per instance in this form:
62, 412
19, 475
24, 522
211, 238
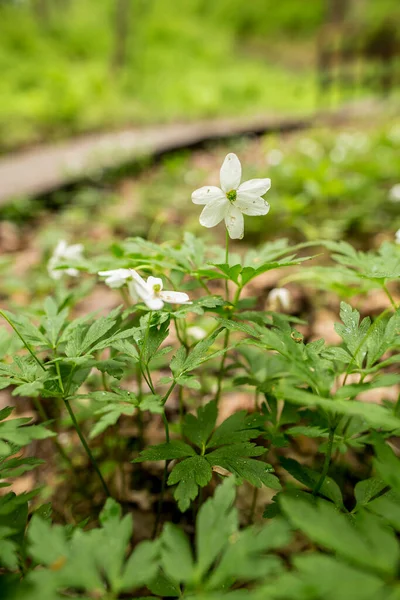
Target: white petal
252, 206
51, 268
214, 212
116, 277
280, 296
153, 302
235, 223
74, 251
175, 297
132, 291
60, 248
152, 281
140, 286
204, 194
254, 187
72, 272
231, 173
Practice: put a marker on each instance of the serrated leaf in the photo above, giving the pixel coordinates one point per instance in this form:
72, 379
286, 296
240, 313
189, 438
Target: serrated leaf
189, 475
198, 429
167, 451
176, 554
310, 478
327, 527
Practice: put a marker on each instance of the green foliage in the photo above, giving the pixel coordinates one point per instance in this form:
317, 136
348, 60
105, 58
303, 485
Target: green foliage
122, 377
57, 74
227, 446
93, 561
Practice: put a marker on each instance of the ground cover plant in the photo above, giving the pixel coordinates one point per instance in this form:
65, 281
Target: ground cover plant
146, 385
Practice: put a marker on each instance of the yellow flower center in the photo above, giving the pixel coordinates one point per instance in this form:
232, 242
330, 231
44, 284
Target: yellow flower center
231, 195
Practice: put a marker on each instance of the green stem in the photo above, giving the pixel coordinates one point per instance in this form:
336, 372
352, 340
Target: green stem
327, 461
227, 262
44, 417
85, 445
389, 295
104, 381
253, 506
164, 481
204, 286
226, 343
179, 336
222, 367
167, 395
23, 341
59, 377
125, 297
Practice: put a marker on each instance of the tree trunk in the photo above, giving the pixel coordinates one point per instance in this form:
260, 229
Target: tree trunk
121, 31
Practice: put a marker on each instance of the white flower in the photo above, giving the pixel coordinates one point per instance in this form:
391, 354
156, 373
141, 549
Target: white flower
397, 236
232, 200
151, 292
196, 333
394, 193
116, 278
64, 253
279, 298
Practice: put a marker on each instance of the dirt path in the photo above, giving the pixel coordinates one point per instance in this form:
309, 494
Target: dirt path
46, 168
42, 169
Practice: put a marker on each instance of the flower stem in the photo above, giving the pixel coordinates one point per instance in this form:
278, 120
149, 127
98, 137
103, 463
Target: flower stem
253, 506
327, 461
389, 295
227, 262
164, 481
222, 367
44, 417
85, 445
226, 343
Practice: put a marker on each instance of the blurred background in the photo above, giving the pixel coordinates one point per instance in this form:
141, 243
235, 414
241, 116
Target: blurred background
73, 67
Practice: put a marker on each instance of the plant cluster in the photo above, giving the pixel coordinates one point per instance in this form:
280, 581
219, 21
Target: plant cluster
330, 530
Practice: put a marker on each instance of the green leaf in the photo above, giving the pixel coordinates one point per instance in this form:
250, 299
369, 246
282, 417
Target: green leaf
367, 489
141, 567
216, 522
387, 464
310, 478
199, 354
235, 458
198, 429
388, 508
189, 475
374, 415
176, 554
324, 525
245, 557
353, 333
167, 451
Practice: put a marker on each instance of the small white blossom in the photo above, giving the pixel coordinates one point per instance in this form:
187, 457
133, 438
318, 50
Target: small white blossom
151, 292
64, 253
232, 200
397, 236
196, 333
116, 278
279, 298
394, 193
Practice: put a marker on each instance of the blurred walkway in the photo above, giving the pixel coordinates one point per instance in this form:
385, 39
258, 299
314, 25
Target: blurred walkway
45, 168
